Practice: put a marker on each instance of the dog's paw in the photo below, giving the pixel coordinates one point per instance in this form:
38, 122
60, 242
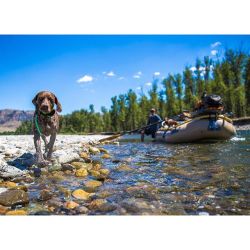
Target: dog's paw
43, 163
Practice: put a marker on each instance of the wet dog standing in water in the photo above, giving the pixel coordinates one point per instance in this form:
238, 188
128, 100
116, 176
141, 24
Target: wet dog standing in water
45, 123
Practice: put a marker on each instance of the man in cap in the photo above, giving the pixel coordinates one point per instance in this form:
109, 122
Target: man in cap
155, 120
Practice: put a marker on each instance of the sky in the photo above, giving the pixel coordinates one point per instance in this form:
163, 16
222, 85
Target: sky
90, 69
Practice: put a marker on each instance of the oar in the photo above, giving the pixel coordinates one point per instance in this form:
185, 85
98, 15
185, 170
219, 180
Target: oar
128, 132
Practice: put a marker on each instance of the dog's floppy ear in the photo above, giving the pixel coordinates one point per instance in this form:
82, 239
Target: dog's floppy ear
35, 99
58, 105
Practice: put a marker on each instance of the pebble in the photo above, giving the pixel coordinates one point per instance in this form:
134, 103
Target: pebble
106, 156
81, 194
45, 195
94, 150
103, 150
91, 185
78, 165
17, 212
203, 213
101, 205
8, 184
82, 210
14, 197
3, 210
124, 167
68, 167
85, 157
71, 205
82, 172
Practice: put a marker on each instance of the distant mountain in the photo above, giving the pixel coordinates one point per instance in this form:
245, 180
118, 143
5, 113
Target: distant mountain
11, 119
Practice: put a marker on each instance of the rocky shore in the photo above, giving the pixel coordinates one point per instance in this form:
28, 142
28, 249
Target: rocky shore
71, 158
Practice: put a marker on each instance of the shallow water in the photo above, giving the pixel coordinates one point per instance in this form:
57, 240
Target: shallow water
160, 179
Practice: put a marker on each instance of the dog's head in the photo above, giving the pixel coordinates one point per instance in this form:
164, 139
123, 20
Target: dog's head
45, 101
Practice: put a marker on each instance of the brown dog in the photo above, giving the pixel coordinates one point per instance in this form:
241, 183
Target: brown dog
45, 123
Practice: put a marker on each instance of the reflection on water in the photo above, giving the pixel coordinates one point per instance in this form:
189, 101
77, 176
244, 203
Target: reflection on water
153, 178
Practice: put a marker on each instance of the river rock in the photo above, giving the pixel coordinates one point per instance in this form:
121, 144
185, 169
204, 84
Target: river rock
17, 212
82, 210
137, 206
81, 194
124, 167
104, 171
78, 165
101, 205
82, 172
71, 205
55, 167
3, 210
97, 175
85, 157
92, 185
14, 197
106, 156
8, 184
55, 202
94, 150
103, 150
68, 167
7, 171
65, 156
45, 195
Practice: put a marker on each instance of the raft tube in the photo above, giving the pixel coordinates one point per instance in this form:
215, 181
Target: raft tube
203, 128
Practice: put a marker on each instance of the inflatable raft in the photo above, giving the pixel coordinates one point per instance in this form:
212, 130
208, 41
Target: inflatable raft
203, 128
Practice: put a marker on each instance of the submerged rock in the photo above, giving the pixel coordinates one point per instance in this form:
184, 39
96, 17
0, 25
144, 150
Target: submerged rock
8, 184
14, 197
81, 194
106, 156
3, 210
92, 185
82, 210
17, 212
71, 205
45, 195
82, 172
101, 205
124, 167
103, 150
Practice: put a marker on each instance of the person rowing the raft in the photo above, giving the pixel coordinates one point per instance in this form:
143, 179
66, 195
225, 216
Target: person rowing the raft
155, 120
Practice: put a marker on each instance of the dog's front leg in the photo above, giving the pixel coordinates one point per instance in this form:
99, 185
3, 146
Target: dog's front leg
39, 155
51, 145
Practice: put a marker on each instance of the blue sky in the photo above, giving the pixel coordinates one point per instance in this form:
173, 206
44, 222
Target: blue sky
86, 69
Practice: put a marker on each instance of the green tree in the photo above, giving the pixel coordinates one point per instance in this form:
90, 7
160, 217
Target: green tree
179, 91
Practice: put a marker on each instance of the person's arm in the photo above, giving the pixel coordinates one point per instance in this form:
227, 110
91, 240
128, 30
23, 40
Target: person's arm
148, 120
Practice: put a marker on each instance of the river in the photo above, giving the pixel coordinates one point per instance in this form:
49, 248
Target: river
159, 179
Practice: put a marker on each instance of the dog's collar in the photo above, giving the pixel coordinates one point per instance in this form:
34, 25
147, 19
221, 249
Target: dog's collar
48, 114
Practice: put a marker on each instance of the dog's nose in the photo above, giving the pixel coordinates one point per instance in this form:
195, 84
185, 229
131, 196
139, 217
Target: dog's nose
45, 108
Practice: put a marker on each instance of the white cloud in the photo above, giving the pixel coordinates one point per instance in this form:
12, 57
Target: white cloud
85, 79
216, 44
121, 78
157, 73
193, 68
214, 52
148, 83
137, 75
110, 73
138, 88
